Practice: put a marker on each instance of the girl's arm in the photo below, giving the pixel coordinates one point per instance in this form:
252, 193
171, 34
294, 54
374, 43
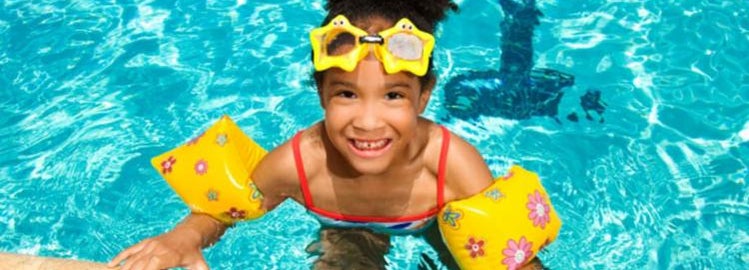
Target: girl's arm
513, 211
179, 247
275, 176
467, 172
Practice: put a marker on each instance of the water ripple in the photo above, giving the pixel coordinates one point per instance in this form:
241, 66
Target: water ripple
90, 91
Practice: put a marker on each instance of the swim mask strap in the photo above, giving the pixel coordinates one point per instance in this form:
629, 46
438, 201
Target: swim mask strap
402, 47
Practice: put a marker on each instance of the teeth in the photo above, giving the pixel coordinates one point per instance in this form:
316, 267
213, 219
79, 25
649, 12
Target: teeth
370, 145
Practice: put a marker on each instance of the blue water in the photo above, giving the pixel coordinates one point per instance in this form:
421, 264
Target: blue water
90, 90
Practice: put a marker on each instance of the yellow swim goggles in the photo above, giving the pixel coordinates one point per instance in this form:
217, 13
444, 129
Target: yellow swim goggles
402, 47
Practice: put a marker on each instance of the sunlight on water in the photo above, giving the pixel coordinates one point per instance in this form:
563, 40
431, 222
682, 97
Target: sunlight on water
655, 179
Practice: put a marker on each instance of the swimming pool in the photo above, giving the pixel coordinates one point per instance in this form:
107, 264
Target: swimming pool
89, 91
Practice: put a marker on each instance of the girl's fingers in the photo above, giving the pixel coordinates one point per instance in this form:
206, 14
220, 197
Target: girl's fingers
153, 264
135, 264
140, 259
153, 255
125, 254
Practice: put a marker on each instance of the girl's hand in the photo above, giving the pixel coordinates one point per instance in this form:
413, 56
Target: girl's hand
178, 248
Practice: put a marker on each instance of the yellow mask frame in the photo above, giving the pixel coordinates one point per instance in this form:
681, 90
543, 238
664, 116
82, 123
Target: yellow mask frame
402, 47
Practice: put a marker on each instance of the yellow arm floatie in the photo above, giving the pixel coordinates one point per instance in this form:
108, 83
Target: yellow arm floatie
504, 226
212, 173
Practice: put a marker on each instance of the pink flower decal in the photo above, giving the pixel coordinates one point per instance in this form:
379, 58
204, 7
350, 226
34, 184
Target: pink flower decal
475, 247
235, 214
508, 176
201, 167
516, 253
539, 209
167, 165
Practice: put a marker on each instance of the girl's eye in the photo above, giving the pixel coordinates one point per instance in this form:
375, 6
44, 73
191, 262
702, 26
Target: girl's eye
393, 95
346, 94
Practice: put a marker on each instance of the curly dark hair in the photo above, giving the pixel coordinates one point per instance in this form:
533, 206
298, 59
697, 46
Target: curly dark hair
424, 14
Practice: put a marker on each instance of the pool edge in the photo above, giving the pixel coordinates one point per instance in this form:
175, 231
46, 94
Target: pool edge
30, 262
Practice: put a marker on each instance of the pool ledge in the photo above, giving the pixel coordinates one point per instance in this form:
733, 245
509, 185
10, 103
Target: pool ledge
28, 262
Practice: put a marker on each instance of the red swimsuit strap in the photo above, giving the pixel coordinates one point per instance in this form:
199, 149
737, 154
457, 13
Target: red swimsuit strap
300, 170
308, 195
442, 167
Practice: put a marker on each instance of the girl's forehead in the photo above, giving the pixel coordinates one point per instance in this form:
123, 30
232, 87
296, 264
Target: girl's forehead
369, 74
373, 24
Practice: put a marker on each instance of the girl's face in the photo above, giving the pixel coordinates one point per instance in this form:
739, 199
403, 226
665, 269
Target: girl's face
371, 116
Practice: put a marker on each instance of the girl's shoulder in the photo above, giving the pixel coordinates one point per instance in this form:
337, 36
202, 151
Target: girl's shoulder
311, 149
435, 138
277, 172
466, 172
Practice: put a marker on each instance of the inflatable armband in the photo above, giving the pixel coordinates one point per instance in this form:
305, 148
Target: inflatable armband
504, 226
212, 173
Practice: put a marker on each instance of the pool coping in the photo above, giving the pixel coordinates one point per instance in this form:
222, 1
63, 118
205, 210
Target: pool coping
31, 262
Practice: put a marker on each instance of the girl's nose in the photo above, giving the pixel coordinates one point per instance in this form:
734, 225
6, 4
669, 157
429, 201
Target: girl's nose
367, 118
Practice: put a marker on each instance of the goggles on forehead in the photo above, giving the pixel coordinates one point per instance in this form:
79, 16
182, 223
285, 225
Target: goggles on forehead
402, 47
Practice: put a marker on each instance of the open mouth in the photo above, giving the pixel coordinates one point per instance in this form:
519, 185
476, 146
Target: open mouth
369, 148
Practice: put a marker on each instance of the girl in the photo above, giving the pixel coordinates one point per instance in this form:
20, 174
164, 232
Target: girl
373, 163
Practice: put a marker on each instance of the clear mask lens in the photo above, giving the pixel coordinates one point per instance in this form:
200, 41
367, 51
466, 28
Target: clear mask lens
339, 43
405, 46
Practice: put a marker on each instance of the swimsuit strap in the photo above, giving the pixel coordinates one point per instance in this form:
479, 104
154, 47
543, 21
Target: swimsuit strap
442, 167
300, 169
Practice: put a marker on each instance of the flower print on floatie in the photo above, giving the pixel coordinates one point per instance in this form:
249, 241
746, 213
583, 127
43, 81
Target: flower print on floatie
538, 209
255, 192
516, 253
212, 195
201, 167
451, 217
234, 213
494, 194
476, 248
222, 139
168, 164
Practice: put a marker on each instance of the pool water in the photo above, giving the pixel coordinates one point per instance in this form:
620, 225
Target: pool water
653, 177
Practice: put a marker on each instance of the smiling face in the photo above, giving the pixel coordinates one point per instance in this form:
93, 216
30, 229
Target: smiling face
371, 116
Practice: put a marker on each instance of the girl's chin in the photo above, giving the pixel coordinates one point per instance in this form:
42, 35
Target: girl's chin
369, 168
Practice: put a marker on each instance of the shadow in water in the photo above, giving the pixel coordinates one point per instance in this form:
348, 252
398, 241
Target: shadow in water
517, 90
591, 101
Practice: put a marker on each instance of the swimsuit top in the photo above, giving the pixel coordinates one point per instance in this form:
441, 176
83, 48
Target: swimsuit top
391, 225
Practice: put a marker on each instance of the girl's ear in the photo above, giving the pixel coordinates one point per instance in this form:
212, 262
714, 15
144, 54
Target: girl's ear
426, 93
